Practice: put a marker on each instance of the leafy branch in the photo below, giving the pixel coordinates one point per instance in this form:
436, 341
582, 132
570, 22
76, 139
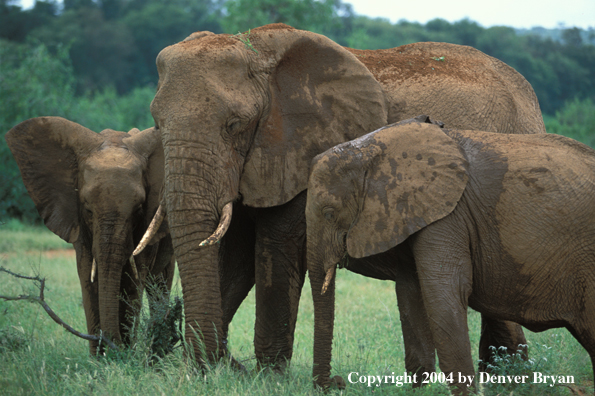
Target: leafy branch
40, 283
245, 38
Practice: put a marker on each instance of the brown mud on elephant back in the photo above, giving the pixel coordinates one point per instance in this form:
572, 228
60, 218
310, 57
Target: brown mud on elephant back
474, 83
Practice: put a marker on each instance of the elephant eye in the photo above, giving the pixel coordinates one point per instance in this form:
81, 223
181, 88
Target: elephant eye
233, 126
329, 214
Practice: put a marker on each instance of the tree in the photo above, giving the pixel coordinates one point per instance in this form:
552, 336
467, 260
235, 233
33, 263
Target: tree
572, 37
32, 82
310, 15
158, 25
16, 24
101, 51
575, 120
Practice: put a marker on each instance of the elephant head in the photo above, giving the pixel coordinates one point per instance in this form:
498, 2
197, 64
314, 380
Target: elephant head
368, 196
99, 192
241, 117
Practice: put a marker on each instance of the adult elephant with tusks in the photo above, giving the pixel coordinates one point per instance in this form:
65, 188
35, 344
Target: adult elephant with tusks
99, 191
242, 116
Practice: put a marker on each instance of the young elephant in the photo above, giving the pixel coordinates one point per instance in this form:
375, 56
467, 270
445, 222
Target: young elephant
98, 192
500, 223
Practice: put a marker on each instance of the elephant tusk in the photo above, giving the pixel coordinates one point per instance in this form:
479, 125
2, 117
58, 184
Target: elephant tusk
93, 270
133, 264
327, 279
224, 222
151, 231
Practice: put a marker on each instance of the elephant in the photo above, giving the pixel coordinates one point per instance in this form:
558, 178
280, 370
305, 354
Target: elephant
99, 191
499, 223
242, 116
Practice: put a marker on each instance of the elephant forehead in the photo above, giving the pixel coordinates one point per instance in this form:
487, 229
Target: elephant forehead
204, 84
214, 52
113, 162
330, 170
212, 43
112, 179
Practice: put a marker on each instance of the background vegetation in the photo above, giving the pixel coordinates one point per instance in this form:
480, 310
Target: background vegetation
93, 61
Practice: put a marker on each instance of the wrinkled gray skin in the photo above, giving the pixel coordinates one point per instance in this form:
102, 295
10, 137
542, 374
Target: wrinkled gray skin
499, 223
99, 192
241, 124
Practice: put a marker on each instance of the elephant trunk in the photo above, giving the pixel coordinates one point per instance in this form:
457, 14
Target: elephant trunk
324, 311
111, 257
199, 274
191, 197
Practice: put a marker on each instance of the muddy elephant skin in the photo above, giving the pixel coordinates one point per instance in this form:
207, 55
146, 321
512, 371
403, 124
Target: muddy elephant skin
98, 192
241, 118
499, 223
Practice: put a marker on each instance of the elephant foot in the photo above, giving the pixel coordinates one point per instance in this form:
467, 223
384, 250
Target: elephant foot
96, 349
235, 364
337, 382
275, 367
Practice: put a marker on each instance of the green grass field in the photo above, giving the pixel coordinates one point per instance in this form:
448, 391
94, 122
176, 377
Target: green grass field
39, 357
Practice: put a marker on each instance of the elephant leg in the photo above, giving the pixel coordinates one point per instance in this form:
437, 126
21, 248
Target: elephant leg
236, 268
90, 293
444, 266
583, 329
415, 325
280, 274
500, 333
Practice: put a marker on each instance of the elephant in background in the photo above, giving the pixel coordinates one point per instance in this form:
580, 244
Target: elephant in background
500, 223
242, 116
99, 191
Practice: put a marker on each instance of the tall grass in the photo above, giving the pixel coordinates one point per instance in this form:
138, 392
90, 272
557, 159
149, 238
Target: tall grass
38, 357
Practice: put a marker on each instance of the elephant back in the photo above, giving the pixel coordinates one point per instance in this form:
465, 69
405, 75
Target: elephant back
456, 84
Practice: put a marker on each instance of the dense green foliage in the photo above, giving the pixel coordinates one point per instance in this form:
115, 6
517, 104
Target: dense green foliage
93, 61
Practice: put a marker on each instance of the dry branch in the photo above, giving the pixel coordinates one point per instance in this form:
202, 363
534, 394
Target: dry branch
40, 283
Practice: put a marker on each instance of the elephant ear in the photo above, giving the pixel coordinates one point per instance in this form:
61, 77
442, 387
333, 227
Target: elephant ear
320, 95
416, 178
147, 144
48, 151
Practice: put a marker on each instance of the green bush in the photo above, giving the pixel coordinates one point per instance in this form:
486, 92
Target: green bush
575, 120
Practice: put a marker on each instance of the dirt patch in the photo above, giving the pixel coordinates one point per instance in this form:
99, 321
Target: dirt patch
58, 253
48, 254
273, 26
423, 59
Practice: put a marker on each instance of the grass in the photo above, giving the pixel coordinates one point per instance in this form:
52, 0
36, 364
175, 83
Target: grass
38, 357
17, 237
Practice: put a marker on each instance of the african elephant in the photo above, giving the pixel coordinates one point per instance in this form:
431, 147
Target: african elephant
242, 116
98, 192
499, 223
